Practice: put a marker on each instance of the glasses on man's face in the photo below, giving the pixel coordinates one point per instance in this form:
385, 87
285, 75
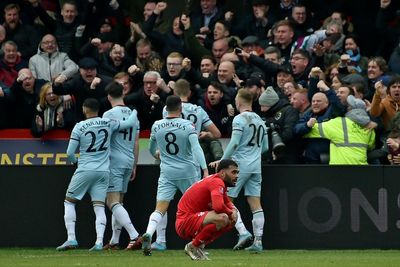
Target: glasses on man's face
149, 82
297, 58
171, 64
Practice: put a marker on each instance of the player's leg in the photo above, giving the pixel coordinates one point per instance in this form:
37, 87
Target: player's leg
69, 219
253, 192
113, 197
257, 222
245, 236
161, 242
118, 184
154, 220
209, 226
98, 192
75, 192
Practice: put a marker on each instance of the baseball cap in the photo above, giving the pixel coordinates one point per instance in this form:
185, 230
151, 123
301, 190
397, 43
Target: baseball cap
87, 63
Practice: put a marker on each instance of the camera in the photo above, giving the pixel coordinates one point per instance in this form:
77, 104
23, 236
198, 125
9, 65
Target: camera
278, 146
237, 51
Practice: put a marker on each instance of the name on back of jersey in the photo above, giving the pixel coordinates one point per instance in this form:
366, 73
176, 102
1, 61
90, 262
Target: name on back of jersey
169, 124
92, 123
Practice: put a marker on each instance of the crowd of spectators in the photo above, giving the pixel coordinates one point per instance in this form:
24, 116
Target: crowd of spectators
305, 64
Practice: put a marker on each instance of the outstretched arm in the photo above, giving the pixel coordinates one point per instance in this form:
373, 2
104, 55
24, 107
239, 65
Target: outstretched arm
198, 153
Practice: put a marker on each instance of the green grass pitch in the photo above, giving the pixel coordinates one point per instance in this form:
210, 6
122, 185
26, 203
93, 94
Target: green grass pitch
11, 257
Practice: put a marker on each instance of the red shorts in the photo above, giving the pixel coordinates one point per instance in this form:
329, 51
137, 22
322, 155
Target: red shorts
189, 225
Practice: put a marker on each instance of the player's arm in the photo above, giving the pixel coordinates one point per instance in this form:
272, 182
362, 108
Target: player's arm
233, 144
218, 202
129, 122
153, 147
72, 146
212, 132
197, 152
136, 153
264, 144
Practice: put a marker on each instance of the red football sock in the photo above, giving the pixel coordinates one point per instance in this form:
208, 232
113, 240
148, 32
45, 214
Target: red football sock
208, 234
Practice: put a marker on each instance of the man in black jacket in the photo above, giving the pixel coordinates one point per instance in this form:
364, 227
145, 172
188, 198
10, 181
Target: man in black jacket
84, 84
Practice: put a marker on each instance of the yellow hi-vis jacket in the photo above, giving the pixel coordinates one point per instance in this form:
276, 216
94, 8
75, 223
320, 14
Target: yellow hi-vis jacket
349, 140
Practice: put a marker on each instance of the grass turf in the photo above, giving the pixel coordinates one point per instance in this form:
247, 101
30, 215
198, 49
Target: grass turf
281, 258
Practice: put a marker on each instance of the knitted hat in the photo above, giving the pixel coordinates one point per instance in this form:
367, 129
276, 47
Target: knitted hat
269, 97
358, 114
355, 103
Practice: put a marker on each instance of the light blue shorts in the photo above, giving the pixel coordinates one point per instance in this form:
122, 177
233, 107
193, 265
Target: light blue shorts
251, 183
166, 189
119, 179
92, 182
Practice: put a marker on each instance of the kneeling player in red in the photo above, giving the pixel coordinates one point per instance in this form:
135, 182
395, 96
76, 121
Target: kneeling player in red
205, 211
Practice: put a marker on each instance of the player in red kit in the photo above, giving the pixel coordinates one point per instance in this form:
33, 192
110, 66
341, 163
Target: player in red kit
205, 211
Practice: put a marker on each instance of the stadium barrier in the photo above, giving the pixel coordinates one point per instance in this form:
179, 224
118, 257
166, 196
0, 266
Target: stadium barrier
305, 207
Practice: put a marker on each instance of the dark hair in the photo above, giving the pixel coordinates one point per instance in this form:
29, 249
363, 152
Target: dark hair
173, 103
273, 49
211, 58
92, 104
381, 62
393, 80
354, 37
302, 52
225, 164
219, 86
226, 24
114, 89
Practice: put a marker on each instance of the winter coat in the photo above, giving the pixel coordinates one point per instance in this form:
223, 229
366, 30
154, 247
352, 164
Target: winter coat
48, 66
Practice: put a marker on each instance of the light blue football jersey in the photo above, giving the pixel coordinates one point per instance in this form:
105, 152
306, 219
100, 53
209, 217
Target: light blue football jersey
195, 114
122, 141
254, 133
94, 136
172, 138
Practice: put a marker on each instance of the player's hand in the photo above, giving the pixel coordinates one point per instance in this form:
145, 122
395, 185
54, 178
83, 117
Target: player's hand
204, 134
214, 164
157, 154
233, 217
133, 175
205, 173
1, 92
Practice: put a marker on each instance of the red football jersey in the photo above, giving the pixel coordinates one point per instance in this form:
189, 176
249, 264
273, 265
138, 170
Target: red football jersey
207, 194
